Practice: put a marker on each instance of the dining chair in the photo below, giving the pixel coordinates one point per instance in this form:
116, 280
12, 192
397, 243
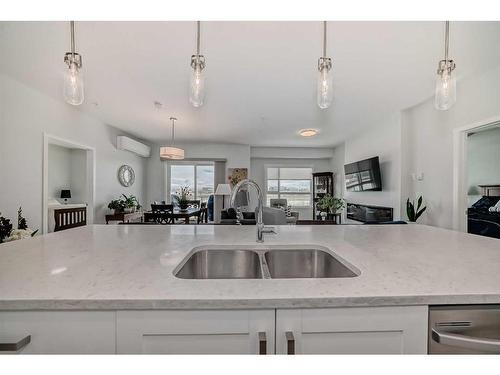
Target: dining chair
163, 212
203, 214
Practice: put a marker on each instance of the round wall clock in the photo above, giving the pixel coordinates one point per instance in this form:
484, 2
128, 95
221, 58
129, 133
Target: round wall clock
126, 175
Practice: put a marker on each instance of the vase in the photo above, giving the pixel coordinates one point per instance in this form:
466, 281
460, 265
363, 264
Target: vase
183, 206
331, 216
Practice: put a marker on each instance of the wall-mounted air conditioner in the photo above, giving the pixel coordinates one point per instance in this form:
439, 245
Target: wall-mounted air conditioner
129, 144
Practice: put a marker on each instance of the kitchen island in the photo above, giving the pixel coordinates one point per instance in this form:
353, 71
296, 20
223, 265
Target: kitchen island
118, 282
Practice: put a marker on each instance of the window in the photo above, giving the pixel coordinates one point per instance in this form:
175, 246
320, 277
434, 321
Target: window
290, 183
199, 178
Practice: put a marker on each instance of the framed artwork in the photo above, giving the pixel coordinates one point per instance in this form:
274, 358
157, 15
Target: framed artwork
235, 175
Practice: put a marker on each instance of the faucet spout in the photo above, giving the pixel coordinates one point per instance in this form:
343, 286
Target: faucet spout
260, 224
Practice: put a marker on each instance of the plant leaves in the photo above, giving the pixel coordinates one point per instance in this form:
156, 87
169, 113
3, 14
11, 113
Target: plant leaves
410, 210
419, 213
419, 204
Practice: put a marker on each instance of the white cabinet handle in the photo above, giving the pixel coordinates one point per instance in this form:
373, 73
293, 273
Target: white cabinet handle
262, 343
15, 346
466, 342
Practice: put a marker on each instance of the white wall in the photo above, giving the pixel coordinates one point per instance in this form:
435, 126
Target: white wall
59, 170
428, 143
258, 169
78, 177
291, 152
383, 141
483, 156
67, 168
25, 115
337, 162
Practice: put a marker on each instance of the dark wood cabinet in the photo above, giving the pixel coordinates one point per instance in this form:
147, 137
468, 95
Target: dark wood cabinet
322, 185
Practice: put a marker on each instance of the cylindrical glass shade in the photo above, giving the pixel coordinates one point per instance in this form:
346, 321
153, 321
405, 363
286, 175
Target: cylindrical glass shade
171, 153
73, 85
446, 90
325, 87
197, 86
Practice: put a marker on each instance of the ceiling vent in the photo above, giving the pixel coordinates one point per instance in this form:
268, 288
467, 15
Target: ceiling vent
129, 144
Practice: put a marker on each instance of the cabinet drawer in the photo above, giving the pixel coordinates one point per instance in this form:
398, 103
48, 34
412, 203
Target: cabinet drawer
195, 332
60, 332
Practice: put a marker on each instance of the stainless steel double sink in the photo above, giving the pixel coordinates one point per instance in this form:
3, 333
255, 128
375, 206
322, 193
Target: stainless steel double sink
271, 262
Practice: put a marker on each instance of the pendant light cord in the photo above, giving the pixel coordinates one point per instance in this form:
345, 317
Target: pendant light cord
324, 38
198, 38
72, 31
446, 40
173, 130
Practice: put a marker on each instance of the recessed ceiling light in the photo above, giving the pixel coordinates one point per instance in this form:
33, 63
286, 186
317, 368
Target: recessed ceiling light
308, 132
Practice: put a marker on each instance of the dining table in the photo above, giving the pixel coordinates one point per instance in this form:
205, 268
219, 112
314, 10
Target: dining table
187, 214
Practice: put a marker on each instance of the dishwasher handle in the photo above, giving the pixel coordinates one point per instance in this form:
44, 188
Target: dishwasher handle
466, 342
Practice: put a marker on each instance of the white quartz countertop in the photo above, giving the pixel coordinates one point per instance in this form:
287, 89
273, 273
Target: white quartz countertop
131, 267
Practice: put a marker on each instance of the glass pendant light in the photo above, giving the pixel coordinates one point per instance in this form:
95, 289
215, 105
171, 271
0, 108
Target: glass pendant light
171, 152
197, 81
73, 80
446, 84
325, 77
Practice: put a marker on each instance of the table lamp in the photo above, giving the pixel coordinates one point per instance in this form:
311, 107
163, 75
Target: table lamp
65, 194
223, 189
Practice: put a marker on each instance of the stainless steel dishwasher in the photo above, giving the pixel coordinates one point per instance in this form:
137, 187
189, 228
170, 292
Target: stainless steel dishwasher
464, 329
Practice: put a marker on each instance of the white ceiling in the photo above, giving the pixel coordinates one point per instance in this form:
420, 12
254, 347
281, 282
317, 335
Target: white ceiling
261, 76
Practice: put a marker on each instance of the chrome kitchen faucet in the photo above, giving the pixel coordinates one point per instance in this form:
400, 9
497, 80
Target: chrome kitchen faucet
261, 229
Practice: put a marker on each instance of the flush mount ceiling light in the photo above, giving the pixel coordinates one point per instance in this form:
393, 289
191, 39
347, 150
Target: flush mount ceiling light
73, 80
325, 77
197, 81
171, 152
446, 83
308, 132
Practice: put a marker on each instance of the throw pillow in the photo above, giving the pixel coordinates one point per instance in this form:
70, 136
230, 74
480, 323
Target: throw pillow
287, 209
248, 215
231, 213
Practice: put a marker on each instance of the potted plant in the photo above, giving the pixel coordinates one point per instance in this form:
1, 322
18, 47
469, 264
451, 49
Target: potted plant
7, 233
116, 205
331, 205
183, 197
130, 203
5, 228
414, 214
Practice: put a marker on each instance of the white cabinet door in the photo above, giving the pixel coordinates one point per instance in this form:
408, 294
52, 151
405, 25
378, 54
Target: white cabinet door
60, 332
364, 330
196, 332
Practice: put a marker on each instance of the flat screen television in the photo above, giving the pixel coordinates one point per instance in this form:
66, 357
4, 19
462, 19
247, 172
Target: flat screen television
363, 175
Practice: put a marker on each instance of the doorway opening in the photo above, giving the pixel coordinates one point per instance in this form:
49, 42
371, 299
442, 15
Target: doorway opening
477, 178
68, 179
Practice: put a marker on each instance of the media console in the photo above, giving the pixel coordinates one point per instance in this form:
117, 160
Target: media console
365, 213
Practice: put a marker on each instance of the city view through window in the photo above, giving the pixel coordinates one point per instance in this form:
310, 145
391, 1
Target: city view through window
292, 184
199, 179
